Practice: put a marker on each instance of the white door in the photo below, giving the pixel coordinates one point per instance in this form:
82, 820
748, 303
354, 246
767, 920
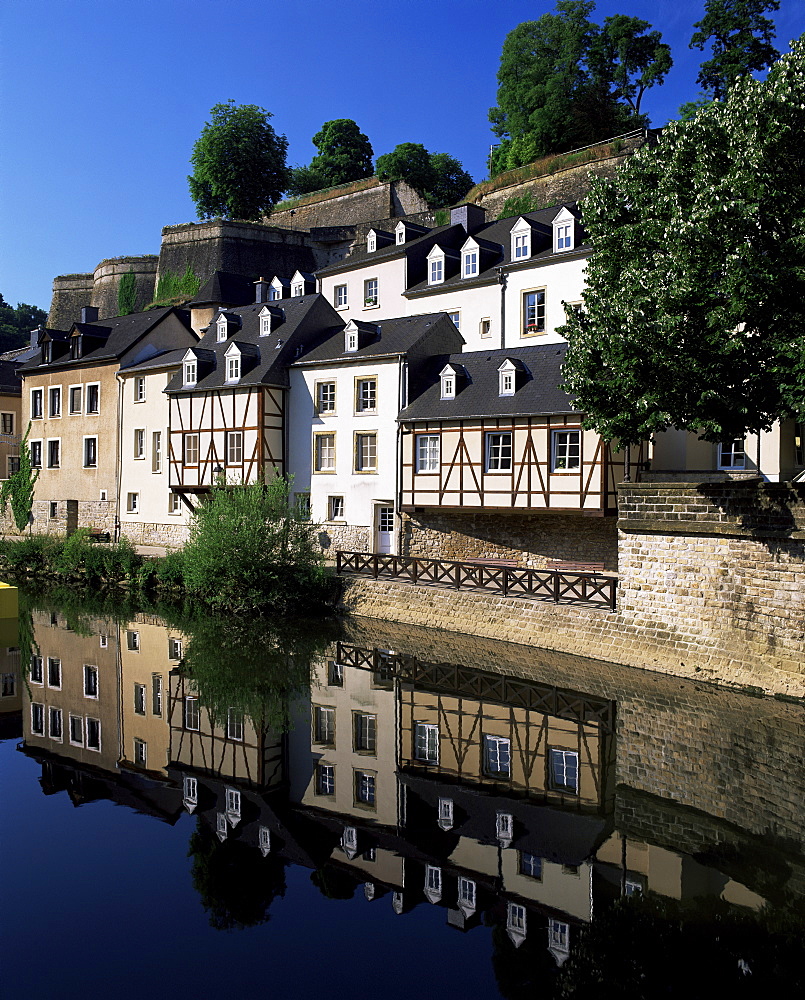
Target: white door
385, 530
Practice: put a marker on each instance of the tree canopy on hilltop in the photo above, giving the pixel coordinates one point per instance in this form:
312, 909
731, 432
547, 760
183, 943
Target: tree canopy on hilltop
345, 154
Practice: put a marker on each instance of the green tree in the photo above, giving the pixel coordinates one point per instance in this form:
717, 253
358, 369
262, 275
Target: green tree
249, 547
693, 311
345, 154
740, 38
564, 82
127, 294
239, 169
16, 324
18, 489
438, 177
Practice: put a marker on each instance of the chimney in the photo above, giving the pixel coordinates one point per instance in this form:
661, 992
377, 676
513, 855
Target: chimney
35, 335
89, 314
261, 287
470, 216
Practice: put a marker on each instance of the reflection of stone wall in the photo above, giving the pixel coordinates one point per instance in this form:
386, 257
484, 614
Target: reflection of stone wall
530, 538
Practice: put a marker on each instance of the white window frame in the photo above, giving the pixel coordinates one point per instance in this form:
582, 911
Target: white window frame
140, 696
350, 341
75, 741
139, 388
133, 503
325, 779
234, 725
86, 446
324, 725
469, 264
37, 718
563, 770
36, 670
37, 403
233, 368
57, 443
335, 508
221, 329
324, 451
371, 293
54, 671
428, 452
73, 391
234, 447
190, 372
426, 742
497, 443
341, 297
92, 389
563, 236
190, 443
34, 463
325, 397
366, 394
91, 681
90, 744
365, 449
371, 243
731, 454
140, 751
54, 397
139, 443
566, 450
534, 313
191, 713
53, 715
365, 788
455, 317
133, 640
494, 749
156, 452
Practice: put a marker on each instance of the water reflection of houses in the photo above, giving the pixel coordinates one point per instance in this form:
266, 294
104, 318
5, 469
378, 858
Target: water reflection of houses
10, 691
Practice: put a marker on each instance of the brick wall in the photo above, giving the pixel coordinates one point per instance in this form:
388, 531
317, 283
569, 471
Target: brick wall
531, 539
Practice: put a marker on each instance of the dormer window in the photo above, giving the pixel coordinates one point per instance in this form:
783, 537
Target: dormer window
47, 352
371, 243
273, 294
563, 230
233, 368
298, 289
448, 380
521, 248
265, 325
469, 266
75, 348
436, 266
222, 325
190, 373
351, 341
400, 233
507, 385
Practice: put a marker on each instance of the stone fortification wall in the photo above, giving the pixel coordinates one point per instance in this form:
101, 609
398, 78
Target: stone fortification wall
71, 292
712, 586
531, 539
351, 205
239, 247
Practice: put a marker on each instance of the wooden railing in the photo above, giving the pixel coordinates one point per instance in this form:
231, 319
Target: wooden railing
559, 586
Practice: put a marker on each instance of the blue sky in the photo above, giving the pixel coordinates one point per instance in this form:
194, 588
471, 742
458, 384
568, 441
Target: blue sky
100, 103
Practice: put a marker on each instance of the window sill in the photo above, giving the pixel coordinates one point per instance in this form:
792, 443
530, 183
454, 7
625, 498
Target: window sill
364, 472
533, 333
566, 472
341, 308
374, 305
324, 472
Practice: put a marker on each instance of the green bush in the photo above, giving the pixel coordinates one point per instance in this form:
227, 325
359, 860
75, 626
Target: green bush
173, 286
519, 205
169, 569
34, 553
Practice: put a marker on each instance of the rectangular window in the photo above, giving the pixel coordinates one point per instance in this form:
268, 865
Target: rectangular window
156, 451
234, 725
190, 790
93, 731
564, 770
140, 753
93, 399
191, 449
192, 714
470, 263
324, 725
427, 452
7, 423
534, 312
139, 443
53, 509
234, 447
133, 503
233, 368
564, 237
55, 724
531, 865
499, 451
76, 398
190, 373
37, 670
54, 454
466, 892
156, 694
324, 458
76, 730
174, 649
90, 453
325, 397
456, 318
139, 389
365, 453
335, 507
426, 742
497, 756
485, 329
340, 296
365, 395
370, 292
433, 878
174, 504
12, 464
731, 454
37, 719
364, 732
516, 918
8, 686
139, 699
325, 779
133, 641
36, 404
436, 272
54, 402
521, 246
90, 681
351, 341
36, 454
566, 450
365, 787
54, 672
335, 674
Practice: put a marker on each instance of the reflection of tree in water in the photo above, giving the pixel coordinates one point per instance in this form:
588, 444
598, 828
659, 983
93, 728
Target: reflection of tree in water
235, 883
334, 883
655, 947
256, 668
525, 972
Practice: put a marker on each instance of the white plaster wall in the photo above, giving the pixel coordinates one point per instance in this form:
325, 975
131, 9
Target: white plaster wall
390, 276
563, 281
362, 492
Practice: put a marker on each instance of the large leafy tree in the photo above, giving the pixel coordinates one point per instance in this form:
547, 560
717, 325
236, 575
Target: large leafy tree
16, 323
694, 309
239, 169
345, 154
740, 38
565, 82
438, 177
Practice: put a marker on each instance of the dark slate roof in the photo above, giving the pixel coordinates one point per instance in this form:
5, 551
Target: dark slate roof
10, 381
225, 288
160, 360
477, 395
395, 337
307, 320
453, 233
123, 334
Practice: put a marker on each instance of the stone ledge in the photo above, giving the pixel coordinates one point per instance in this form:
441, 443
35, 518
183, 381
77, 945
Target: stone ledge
684, 526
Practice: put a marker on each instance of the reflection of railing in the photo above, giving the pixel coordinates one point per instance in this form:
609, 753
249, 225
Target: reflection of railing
561, 587
462, 681
12, 439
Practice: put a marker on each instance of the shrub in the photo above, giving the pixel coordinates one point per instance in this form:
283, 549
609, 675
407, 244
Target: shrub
32, 554
170, 569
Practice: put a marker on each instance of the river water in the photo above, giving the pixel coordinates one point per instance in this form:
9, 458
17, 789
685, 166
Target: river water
222, 808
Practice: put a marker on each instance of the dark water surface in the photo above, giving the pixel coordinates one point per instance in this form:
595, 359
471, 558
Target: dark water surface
215, 808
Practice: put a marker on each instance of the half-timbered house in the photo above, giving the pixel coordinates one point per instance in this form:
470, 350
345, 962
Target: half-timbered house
495, 464
228, 400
